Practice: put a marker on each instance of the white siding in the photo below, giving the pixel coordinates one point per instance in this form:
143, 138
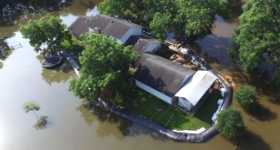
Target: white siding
154, 92
185, 104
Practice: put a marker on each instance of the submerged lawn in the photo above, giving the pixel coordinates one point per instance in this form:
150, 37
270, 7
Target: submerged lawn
156, 110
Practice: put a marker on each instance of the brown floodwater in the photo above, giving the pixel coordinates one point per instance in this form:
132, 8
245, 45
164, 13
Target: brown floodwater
72, 127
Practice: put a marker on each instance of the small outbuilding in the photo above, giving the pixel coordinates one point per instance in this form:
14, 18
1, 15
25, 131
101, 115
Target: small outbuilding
194, 89
147, 45
119, 29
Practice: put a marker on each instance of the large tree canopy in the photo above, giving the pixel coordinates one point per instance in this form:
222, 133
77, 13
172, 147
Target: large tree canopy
190, 18
194, 17
49, 30
226, 8
104, 69
258, 36
247, 97
160, 24
230, 124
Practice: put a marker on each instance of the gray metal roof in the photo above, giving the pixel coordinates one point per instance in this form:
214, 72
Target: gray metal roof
101, 24
161, 74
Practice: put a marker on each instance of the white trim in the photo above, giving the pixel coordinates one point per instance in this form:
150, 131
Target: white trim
198, 131
154, 92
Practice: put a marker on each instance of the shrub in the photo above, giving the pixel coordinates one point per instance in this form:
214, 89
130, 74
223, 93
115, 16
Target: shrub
276, 80
230, 124
41, 122
31, 106
246, 97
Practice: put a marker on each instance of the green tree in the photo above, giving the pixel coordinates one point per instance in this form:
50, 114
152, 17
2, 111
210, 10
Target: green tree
160, 24
247, 97
257, 38
48, 30
226, 8
127, 9
162, 7
194, 18
190, 18
230, 124
104, 69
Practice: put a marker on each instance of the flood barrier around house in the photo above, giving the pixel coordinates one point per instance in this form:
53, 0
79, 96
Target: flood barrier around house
177, 136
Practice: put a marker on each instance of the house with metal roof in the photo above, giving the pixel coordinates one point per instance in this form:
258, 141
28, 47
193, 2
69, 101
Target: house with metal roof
172, 82
169, 81
119, 29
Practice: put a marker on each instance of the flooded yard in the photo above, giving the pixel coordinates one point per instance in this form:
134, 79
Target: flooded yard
73, 127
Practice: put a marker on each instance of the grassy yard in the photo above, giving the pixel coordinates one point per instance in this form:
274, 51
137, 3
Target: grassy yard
154, 109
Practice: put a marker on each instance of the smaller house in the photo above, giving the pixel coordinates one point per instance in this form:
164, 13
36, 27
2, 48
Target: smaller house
171, 82
160, 77
119, 29
145, 45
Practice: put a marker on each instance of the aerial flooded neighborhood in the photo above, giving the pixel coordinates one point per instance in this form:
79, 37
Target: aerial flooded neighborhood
130, 74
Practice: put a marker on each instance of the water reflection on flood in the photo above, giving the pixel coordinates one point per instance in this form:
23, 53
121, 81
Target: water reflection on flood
57, 76
216, 45
71, 127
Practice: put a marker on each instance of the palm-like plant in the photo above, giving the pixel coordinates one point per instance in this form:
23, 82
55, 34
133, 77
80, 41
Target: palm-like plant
31, 107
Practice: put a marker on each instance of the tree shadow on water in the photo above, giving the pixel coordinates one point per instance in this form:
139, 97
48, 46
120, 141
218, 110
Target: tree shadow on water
215, 49
262, 113
57, 75
110, 124
251, 141
275, 99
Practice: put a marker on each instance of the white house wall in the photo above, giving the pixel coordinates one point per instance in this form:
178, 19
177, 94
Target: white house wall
185, 104
154, 92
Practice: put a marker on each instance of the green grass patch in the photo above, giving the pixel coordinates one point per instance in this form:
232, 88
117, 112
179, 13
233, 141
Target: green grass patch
168, 116
1, 65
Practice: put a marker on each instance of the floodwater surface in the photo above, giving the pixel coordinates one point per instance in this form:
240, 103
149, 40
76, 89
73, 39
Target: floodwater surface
72, 127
